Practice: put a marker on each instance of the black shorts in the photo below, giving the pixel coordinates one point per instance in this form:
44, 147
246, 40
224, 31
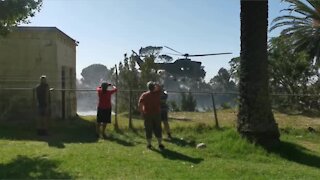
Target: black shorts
104, 115
164, 115
152, 124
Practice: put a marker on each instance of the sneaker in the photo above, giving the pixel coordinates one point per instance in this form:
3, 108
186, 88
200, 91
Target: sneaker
149, 146
161, 146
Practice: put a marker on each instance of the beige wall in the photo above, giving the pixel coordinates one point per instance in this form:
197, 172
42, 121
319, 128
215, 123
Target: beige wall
66, 58
26, 55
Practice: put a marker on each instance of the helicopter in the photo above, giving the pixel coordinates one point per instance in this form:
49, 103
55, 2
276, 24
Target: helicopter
181, 67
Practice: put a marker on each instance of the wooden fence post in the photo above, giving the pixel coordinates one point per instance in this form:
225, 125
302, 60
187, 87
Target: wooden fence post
130, 110
116, 126
215, 111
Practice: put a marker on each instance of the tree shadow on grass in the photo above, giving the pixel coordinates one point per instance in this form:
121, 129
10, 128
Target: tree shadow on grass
140, 132
173, 155
296, 153
179, 119
23, 167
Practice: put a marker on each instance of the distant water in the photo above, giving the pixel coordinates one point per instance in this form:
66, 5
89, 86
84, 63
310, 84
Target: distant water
87, 113
90, 113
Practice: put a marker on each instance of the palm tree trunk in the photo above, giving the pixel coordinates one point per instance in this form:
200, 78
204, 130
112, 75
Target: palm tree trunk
255, 118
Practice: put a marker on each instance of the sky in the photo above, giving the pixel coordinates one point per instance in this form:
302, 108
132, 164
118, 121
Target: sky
106, 29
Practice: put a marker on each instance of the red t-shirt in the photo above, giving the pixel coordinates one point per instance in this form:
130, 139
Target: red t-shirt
151, 102
105, 98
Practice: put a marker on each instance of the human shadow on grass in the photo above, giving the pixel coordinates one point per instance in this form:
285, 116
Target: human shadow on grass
173, 155
23, 167
296, 153
181, 142
60, 132
114, 138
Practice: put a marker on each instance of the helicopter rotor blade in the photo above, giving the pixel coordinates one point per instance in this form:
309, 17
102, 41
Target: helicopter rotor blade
173, 54
199, 55
173, 50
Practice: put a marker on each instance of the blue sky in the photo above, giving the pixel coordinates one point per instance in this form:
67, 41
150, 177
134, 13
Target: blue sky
106, 29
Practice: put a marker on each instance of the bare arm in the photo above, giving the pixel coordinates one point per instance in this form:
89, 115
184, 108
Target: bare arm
140, 105
114, 89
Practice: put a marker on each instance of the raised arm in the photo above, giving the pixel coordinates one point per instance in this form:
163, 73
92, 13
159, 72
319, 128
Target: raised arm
114, 89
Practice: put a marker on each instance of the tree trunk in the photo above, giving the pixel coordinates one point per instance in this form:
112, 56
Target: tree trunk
255, 118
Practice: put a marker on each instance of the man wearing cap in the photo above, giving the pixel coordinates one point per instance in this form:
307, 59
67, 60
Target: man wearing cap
42, 94
149, 106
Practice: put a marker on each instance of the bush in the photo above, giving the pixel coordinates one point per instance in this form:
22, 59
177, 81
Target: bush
173, 106
188, 102
225, 105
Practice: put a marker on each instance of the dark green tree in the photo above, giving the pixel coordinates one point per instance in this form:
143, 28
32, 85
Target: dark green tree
93, 75
134, 80
15, 12
188, 102
255, 118
222, 83
291, 73
127, 81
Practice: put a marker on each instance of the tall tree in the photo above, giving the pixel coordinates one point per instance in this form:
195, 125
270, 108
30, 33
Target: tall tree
132, 79
93, 75
14, 12
222, 82
188, 102
255, 118
291, 73
303, 25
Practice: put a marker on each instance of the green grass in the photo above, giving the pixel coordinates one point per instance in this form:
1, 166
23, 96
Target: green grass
72, 151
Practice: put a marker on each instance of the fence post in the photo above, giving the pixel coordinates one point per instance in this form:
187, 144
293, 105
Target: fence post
215, 111
130, 110
116, 126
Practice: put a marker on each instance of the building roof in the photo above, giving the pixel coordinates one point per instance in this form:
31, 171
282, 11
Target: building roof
47, 29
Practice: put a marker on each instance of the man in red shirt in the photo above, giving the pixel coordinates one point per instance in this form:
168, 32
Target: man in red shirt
149, 106
104, 108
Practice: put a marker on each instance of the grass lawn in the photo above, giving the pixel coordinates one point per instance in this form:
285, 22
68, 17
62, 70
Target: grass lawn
72, 151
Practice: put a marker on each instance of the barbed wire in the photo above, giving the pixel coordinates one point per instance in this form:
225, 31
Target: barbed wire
168, 91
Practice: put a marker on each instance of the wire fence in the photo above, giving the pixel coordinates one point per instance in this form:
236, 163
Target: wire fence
66, 103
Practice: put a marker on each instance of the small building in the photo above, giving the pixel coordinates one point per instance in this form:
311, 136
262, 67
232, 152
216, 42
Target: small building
27, 53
